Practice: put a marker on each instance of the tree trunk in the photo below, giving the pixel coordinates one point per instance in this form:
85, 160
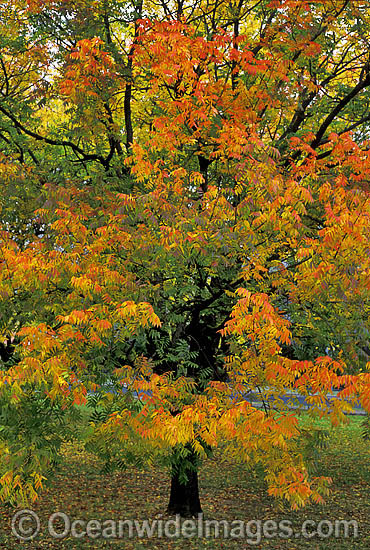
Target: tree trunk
184, 497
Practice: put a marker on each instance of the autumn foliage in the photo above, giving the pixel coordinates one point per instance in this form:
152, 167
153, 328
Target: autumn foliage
185, 214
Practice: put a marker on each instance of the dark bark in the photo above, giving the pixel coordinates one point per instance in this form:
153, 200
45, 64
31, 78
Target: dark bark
127, 110
203, 168
184, 496
128, 90
6, 350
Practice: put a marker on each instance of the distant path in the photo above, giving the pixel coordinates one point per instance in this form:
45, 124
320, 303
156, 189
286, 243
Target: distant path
299, 401
296, 400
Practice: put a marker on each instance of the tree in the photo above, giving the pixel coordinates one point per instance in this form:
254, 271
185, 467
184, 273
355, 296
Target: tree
192, 223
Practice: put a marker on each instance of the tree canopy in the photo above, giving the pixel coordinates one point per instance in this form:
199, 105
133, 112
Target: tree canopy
184, 214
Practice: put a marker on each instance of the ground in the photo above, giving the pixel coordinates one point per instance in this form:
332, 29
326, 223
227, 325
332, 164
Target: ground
228, 491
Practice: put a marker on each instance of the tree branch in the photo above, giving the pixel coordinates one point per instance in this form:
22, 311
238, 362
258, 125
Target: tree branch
49, 141
362, 84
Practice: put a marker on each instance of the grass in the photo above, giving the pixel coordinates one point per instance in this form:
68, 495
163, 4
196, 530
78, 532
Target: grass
227, 492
